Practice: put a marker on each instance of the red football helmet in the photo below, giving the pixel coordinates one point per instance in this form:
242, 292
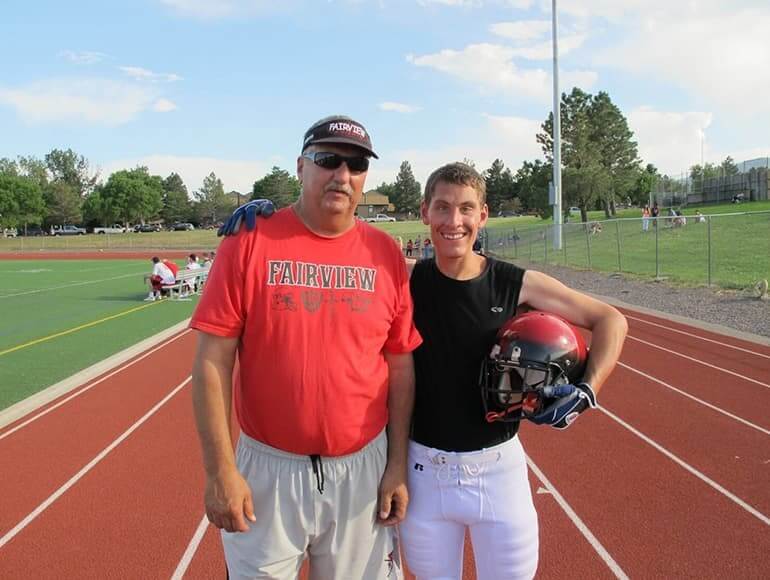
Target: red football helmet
533, 350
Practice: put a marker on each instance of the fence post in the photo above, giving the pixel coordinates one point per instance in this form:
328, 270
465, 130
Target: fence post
657, 249
564, 244
530, 248
617, 233
588, 243
545, 245
708, 229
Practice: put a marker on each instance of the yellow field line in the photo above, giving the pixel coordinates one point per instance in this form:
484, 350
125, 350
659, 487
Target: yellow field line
71, 330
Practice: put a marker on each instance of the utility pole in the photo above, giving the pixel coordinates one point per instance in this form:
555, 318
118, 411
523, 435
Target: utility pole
557, 211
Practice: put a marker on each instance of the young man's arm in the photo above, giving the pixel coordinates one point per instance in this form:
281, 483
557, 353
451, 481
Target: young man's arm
608, 326
227, 496
393, 496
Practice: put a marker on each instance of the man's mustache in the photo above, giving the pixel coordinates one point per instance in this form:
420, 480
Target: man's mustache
343, 187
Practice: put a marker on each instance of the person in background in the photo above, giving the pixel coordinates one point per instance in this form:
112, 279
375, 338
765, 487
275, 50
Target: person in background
163, 273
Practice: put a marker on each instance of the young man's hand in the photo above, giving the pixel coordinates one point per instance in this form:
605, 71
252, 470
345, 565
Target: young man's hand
393, 496
247, 213
562, 408
228, 502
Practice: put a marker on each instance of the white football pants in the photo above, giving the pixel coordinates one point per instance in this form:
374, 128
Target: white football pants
486, 491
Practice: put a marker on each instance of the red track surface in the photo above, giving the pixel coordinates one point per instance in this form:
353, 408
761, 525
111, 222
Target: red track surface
135, 512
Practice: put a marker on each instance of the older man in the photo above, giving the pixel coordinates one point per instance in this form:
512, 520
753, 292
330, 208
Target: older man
317, 306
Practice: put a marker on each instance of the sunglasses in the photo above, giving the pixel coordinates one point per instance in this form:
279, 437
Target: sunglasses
326, 160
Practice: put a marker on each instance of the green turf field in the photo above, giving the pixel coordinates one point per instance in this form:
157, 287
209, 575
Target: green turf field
40, 299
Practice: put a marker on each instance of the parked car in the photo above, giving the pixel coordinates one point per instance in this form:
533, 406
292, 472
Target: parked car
182, 227
380, 217
34, 231
574, 211
144, 228
113, 229
507, 213
67, 231
10, 233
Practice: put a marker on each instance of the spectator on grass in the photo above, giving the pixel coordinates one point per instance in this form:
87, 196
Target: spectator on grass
646, 218
409, 247
163, 273
655, 214
316, 306
699, 217
191, 284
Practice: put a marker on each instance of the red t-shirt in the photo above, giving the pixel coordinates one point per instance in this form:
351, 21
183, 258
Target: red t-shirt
315, 316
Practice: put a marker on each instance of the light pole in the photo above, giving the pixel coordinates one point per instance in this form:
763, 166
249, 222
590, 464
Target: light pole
557, 212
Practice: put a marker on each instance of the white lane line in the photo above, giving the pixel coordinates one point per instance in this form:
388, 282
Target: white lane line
91, 386
746, 350
582, 528
90, 465
39, 290
192, 547
696, 399
704, 363
729, 495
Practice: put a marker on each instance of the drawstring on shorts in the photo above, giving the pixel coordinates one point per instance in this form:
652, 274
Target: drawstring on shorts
318, 470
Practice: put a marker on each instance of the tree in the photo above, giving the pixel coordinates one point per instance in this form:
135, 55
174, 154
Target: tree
594, 132
500, 186
279, 186
63, 203
644, 184
729, 167
213, 204
67, 167
176, 202
531, 182
406, 193
131, 196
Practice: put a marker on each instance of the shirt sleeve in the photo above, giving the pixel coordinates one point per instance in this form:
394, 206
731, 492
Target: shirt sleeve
221, 309
403, 336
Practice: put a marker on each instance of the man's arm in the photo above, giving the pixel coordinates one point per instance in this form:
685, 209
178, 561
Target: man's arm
393, 496
608, 326
227, 496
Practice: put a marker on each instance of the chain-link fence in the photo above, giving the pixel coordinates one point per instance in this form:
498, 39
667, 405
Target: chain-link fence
728, 250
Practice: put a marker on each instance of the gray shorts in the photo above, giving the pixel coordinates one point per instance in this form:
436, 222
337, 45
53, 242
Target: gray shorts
337, 529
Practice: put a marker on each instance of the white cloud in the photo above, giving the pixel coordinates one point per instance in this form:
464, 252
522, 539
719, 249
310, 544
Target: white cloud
511, 139
236, 174
163, 106
219, 9
469, 3
490, 67
89, 100
398, 107
82, 56
522, 30
142, 74
713, 50
669, 140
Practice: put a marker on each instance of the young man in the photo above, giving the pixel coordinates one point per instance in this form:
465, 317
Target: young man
464, 471
163, 273
316, 304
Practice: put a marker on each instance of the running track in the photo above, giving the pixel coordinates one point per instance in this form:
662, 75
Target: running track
669, 479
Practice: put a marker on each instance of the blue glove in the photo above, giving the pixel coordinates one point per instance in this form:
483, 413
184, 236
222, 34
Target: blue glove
248, 212
562, 404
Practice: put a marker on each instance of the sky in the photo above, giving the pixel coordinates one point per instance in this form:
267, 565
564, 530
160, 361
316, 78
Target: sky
230, 86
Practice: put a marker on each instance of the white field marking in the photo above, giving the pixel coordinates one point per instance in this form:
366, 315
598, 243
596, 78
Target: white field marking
91, 386
192, 547
39, 290
708, 481
696, 399
582, 528
704, 363
90, 465
746, 350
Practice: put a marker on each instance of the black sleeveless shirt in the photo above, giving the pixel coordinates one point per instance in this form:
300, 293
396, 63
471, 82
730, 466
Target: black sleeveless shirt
458, 321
